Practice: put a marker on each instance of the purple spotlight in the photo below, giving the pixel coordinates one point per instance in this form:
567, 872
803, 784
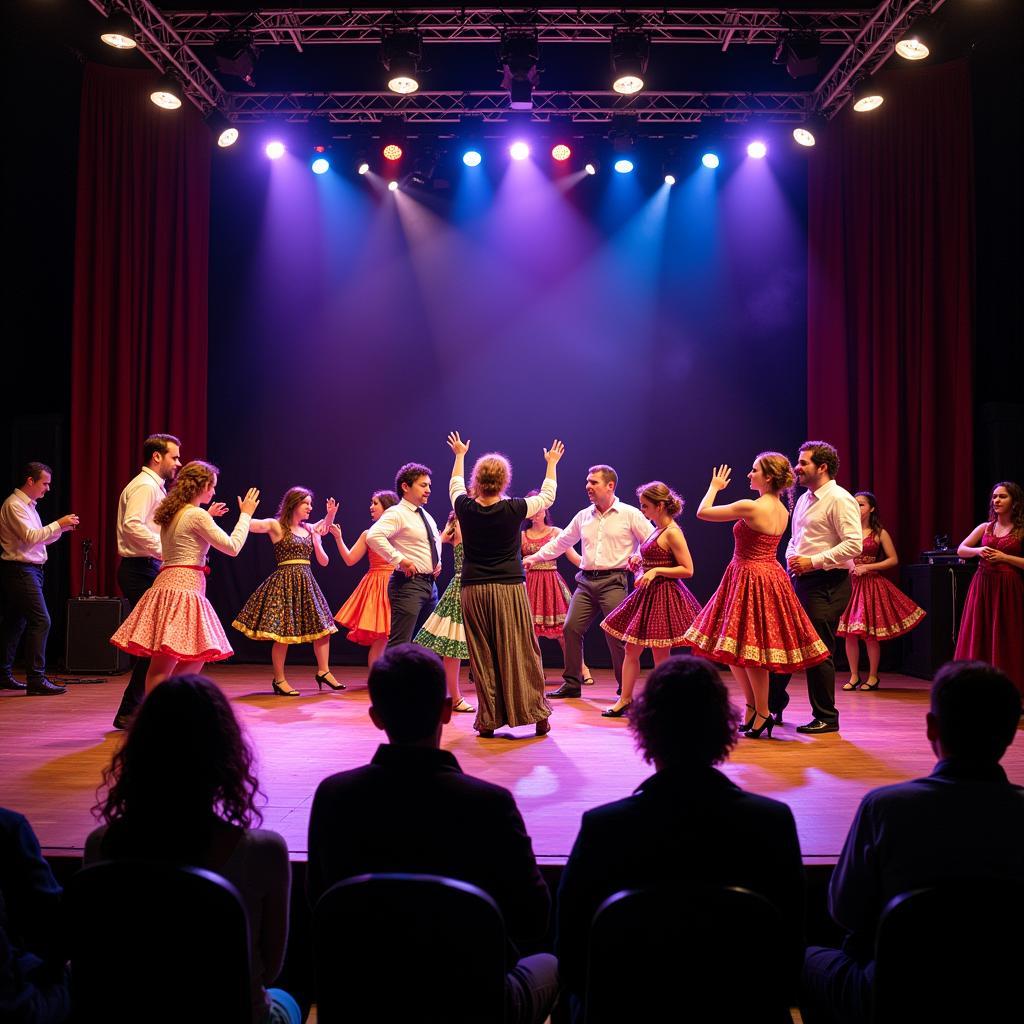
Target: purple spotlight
757, 149
275, 150
519, 151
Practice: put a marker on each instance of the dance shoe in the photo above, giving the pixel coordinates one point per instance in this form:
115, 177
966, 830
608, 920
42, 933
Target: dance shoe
10, 683
44, 688
565, 690
485, 734
871, 685
852, 684
279, 688
463, 706
322, 681
614, 712
588, 680
816, 726
750, 721
766, 726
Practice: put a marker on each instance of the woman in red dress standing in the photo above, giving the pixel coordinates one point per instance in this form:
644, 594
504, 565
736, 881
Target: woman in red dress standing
992, 627
754, 622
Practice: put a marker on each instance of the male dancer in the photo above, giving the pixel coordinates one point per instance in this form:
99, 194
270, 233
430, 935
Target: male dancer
407, 537
610, 531
138, 544
826, 535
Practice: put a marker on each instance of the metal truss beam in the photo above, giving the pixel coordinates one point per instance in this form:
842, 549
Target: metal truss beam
492, 107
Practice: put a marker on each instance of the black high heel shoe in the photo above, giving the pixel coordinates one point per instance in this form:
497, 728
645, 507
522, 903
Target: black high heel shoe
768, 723
612, 712
750, 721
322, 681
279, 688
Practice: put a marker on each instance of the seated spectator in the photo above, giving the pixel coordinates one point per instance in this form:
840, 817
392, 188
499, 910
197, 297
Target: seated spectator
965, 818
411, 809
686, 824
33, 978
182, 790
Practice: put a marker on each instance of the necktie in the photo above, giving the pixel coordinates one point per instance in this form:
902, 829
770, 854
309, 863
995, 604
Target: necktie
431, 539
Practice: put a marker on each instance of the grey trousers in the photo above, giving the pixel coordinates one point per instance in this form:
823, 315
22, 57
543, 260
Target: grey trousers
593, 600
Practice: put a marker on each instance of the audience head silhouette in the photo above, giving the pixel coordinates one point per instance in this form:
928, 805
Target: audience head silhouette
974, 713
408, 695
684, 716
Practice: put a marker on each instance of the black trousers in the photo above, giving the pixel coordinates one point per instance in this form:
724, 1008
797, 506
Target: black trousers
824, 595
24, 611
412, 600
135, 576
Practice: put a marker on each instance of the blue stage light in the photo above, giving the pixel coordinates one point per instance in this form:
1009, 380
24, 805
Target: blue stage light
710, 160
471, 158
321, 165
623, 166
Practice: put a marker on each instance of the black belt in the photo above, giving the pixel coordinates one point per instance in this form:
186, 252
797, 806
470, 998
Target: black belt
596, 574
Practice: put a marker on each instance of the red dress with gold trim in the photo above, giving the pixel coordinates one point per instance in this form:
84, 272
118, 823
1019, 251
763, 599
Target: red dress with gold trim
877, 609
754, 618
546, 591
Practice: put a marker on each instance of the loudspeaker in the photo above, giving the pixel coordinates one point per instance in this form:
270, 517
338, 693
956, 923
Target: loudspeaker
91, 623
940, 590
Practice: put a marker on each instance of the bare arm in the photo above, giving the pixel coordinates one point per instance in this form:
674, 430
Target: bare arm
709, 512
349, 555
546, 498
682, 570
969, 546
889, 562
271, 526
318, 547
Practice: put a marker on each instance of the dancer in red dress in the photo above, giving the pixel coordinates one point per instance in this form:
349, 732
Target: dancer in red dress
754, 621
660, 610
877, 610
992, 627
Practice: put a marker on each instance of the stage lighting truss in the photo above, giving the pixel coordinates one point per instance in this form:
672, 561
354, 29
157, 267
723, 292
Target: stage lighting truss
519, 63
401, 53
630, 53
867, 36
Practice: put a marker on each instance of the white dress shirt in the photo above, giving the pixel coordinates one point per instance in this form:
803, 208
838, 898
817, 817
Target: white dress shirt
826, 527
400, 533
536, 502
137, 535
609, 538
22, 534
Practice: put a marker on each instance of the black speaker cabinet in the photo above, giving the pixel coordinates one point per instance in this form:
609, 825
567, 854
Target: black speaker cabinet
940, 590
91, 622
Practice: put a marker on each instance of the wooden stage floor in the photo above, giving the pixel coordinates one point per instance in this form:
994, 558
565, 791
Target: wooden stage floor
52, 752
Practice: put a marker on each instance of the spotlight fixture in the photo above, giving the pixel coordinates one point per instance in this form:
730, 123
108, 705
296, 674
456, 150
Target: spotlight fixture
519, 150
119, 32
472, 158
757, 150
392, 186
423, 169
670, 179
808, 133
167, 94
518, 59
710, 161
912, 45
560, 152
800, 52
392, 151
592, 167
320, 165
274, 149
401, 54
630, 53
236, 55
866, 96
363, 168
223, 130
623, 165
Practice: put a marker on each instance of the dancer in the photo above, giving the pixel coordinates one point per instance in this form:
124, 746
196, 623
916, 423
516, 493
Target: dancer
405, 537
753, 621
609, 531
173, 624
504, 655
367, 612
826, 536
444, 632
877, 610
661, 609
288, 606
992, 627
546, 591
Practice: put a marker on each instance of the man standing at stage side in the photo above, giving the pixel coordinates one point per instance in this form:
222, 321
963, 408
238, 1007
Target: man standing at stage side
138, 544
826, 536
610, 531
24, 540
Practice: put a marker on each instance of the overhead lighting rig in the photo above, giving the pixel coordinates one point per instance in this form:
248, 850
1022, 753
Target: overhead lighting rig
518, 58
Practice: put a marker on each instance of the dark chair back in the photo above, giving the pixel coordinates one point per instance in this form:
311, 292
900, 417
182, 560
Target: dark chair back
680, 954
155, 942
407, 948
952, 952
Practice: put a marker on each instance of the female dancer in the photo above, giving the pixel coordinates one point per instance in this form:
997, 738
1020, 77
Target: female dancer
661, 609
181, 789
444, 632
173, 624
503, 651
754, 622
991, 629
367, 612
288, 607
545, 589
877, 610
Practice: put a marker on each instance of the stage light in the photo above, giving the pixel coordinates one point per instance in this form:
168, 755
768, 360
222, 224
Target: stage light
119, 32
167, 94
519, 151
710, 161
401, 53
363, 168
321, 165
803, 136
392, 186
630, 52
471, 158
235, 54
592, 167
518, 58
392, 152
560, 152
623, 165
757, 150
670, 179
866, 96
275, 149
800, 52
810, 132
228, 137
223, 130
912, 47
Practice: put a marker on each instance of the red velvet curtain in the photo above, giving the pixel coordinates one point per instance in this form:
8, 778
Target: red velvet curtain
139, 348
890, 302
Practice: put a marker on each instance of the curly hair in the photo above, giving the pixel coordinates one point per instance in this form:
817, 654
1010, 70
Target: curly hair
385, 498
823, 454
184, 769
491, 475
1016, 493
658, 493
778, 471
190, 482
684, 714
290, 501
408, 475
874, 520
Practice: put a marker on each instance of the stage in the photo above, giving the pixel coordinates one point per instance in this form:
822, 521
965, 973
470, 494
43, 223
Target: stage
52, 752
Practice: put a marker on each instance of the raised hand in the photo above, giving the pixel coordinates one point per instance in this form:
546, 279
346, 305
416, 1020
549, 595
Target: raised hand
332, 511
68, 522
217, 509
457, 445
249, 503
720, 477
554, 453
